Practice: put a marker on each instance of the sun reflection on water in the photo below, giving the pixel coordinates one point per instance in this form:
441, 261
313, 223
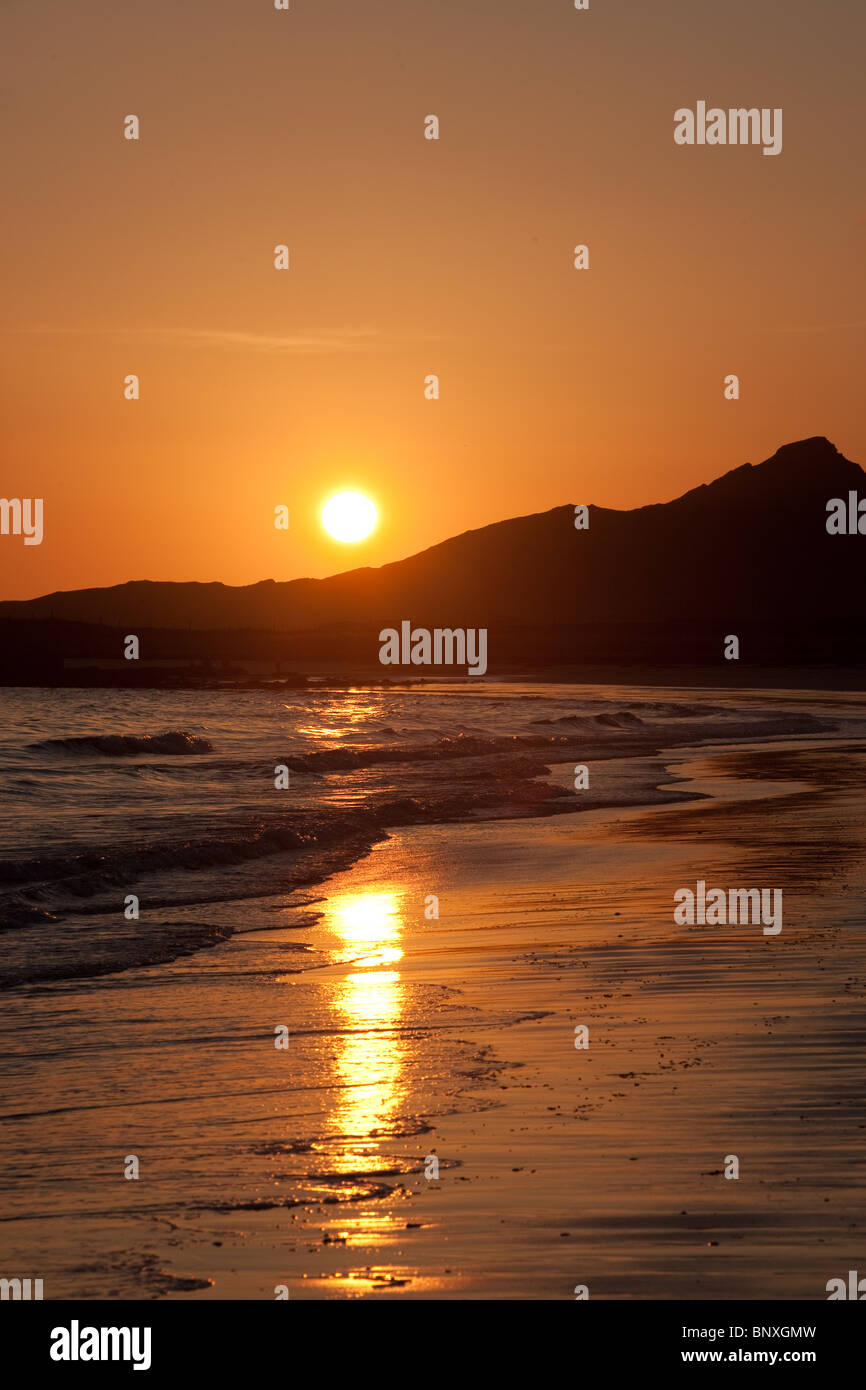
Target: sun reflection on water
369, 1004
336, 718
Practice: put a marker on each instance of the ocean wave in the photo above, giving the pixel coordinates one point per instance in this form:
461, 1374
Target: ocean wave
618, 719
173, 741
460, 745
85, 872
245, 842
100, 948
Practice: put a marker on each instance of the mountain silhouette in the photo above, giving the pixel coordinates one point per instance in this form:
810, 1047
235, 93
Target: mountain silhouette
750, 548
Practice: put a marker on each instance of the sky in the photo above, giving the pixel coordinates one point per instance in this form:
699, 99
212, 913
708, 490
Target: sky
409, 257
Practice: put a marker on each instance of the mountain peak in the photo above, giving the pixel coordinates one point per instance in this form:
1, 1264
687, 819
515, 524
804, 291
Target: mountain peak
804, 458
811, 468
816, 446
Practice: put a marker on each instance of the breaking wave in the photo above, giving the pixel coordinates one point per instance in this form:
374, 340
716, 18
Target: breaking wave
174, 741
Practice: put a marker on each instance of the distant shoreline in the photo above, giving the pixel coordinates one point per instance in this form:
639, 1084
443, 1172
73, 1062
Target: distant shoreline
733, 676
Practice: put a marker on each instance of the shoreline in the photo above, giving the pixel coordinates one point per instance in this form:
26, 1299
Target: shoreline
559, 1167
512, 779
732, 677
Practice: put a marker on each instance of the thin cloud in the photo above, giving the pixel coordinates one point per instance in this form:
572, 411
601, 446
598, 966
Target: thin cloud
819, 327
300, 344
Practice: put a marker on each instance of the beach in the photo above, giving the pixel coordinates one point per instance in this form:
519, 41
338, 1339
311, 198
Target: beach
431, 1129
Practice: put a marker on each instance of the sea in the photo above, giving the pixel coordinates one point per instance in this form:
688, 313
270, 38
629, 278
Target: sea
118, 807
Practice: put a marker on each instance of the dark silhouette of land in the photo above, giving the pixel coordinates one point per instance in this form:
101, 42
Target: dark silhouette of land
659, 586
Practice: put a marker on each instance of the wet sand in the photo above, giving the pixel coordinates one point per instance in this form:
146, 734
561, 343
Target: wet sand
411, 1037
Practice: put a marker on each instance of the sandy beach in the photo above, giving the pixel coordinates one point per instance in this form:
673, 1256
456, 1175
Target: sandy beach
412, 1037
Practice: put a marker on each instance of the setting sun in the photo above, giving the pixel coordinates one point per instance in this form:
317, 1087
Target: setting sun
349, 516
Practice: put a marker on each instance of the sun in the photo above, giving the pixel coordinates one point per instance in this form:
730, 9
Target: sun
349, 516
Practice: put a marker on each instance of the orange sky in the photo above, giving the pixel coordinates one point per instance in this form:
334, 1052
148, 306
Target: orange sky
409, 257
